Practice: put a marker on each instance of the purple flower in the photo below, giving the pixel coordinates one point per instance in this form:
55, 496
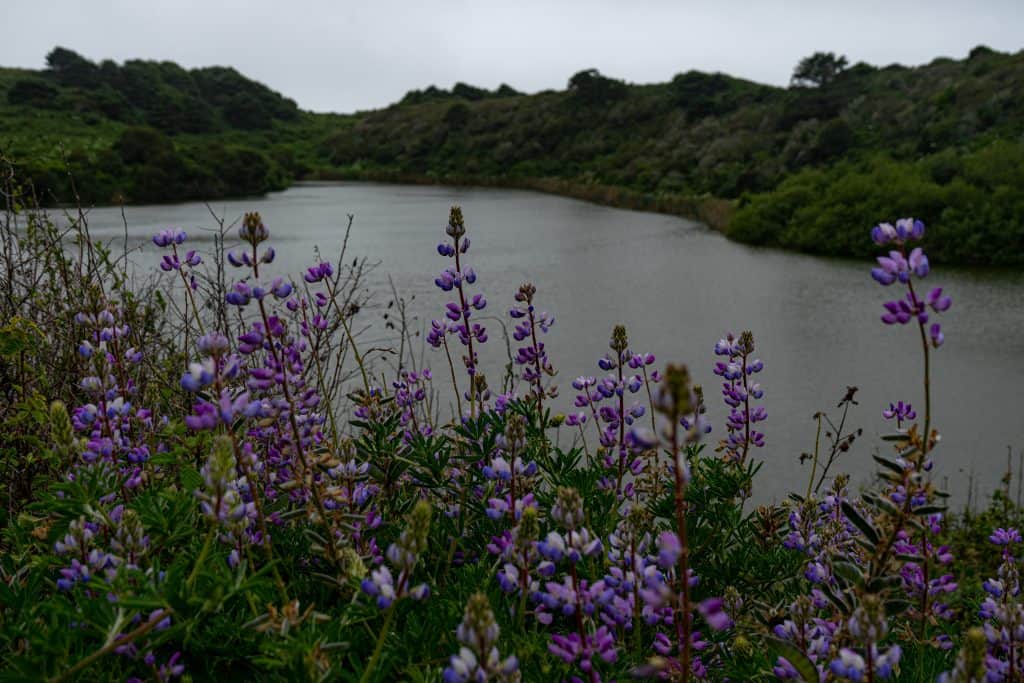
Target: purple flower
1005, 536
901, 411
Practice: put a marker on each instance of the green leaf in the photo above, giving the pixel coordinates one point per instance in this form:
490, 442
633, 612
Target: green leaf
928, 509
801, 662
848, 571
864, 525
190, 478
888, 464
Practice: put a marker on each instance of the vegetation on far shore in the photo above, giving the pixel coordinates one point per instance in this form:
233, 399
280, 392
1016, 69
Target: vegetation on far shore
793, 167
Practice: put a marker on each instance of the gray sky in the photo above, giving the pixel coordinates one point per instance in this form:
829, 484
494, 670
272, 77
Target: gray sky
345, 56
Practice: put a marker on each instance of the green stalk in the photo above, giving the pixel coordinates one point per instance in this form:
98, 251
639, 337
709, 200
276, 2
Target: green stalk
202, 557
379, 647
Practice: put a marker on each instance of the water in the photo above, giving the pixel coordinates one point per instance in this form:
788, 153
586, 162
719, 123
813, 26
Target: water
678, 287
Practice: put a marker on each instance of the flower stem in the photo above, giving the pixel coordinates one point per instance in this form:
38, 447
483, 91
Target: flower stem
379, 647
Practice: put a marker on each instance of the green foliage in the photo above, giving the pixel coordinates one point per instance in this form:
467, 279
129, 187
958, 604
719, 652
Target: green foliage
971, 201
590, 87
33, 92
671, 147
819, 69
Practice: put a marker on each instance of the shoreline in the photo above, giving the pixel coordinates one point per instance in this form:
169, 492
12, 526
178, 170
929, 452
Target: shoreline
713, 212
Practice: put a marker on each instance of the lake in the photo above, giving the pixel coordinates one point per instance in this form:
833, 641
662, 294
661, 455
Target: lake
678, 287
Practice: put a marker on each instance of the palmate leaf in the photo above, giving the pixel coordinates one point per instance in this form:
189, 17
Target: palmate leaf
190, 478
862, 524
801, 662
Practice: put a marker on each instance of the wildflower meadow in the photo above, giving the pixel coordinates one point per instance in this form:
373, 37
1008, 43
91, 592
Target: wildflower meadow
210, 474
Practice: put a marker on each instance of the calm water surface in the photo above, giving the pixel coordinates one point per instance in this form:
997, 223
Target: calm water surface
677, 287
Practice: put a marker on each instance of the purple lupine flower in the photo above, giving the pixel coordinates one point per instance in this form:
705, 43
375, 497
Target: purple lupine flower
868, 626
899, 266
532, 357
606, 400
402, 555
811, 634
899, 411
478, 658
458, 313
738, 390
168, 237
1005, 537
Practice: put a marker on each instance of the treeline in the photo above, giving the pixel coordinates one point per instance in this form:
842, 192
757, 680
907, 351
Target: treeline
153, 131
145, 165
937, 127
162, 95
800, 164
460, 91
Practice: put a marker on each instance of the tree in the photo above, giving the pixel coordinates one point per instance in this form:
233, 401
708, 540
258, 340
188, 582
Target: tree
469, 92
71, 68
591, 87
457, 116
819, 69
33, 92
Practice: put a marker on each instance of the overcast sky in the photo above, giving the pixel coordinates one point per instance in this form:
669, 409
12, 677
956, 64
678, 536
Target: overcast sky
337, 55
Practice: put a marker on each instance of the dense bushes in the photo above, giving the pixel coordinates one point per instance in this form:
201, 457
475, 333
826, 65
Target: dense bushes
144, 165
974, 202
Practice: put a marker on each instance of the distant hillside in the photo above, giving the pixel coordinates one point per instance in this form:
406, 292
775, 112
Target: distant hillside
147, 131
808, 167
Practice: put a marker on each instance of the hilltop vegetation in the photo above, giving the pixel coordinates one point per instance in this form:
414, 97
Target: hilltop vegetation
148, 131
947, 137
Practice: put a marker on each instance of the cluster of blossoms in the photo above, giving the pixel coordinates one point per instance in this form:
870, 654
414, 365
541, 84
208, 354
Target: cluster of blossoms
168, 670
290, 423
517, 550
899, 411
115, 443
899, 266
532, 357
573, 596
668, 604
221, 499
478, 660
918, 576
811, 634
821, 530
350, 490
86, 559
868, 626
402, 556
411, 390
175, 261
605, 398
108, 548
458, 313
629, 563
738, 389
116, 430
511, 472
1003, 612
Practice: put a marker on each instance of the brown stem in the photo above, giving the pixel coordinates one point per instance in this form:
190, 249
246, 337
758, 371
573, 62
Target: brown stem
682, 580
332, 550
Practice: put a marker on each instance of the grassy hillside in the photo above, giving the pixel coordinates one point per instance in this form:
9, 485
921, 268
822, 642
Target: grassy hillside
801, 167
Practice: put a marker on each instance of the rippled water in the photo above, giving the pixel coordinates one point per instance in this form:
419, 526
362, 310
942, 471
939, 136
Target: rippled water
677, 287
